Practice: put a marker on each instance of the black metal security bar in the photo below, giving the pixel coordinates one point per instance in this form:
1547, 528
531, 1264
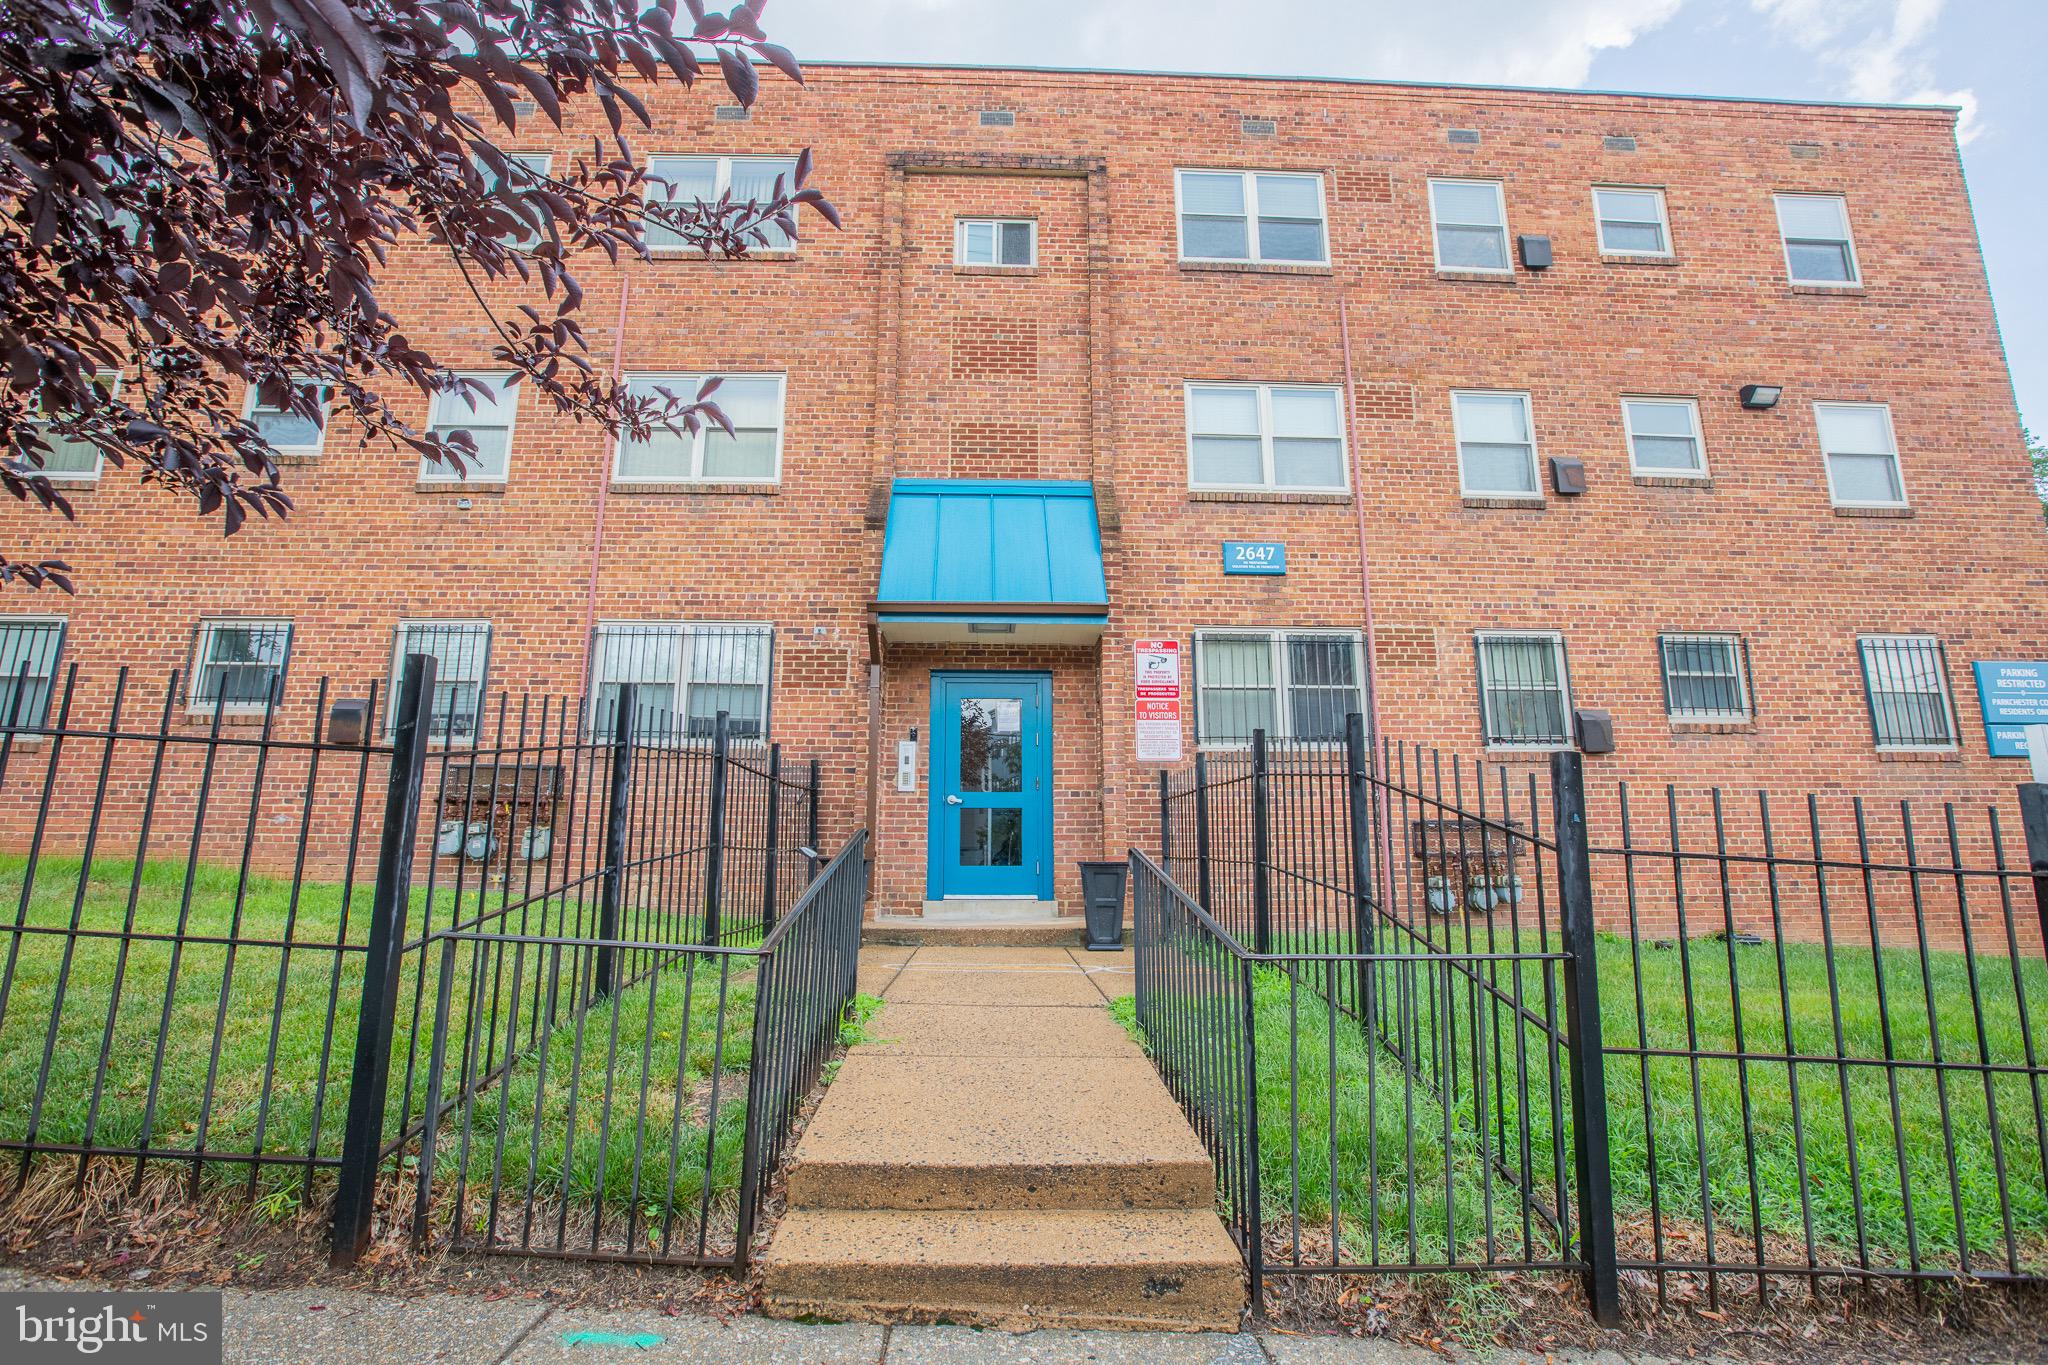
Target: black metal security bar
225, 960
1801, 1047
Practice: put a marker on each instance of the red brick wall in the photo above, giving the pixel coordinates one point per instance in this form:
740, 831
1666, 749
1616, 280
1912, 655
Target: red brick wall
899, 364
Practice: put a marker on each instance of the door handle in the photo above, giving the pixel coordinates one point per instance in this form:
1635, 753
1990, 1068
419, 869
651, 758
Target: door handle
952, 800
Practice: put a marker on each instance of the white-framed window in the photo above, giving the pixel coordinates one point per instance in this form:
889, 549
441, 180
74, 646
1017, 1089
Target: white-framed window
1252, 216
1470, 221
1293, 684
70, 459
707, 179
1525, 694
462, 654
752, 454
1496, 444
1259, 436
686, 673
30, 647
1632, 220
1706, 677
1862, 454
995, 241
291, 434
527, 168
238, 665
487, 417
1905, 680
1818, 247
1664, 437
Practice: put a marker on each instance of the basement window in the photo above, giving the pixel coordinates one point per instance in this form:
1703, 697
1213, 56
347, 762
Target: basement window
1294, 685
29, 649
1905, 680
238, 665
1525, 696
462, 653
684, 673
995, 241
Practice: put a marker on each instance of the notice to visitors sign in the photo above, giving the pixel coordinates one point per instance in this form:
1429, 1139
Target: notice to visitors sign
2014, 694
1158, 700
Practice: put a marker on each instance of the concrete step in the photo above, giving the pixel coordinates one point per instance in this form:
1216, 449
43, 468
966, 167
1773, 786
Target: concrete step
1034, 932
924, 1132
1148, 1268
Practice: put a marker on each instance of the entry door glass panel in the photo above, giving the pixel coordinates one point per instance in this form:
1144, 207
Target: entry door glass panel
991, 794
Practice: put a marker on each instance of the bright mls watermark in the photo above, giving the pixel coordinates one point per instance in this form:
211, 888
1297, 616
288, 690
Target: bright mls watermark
162, 1329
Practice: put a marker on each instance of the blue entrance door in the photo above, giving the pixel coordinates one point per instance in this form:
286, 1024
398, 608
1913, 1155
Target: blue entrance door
990, 830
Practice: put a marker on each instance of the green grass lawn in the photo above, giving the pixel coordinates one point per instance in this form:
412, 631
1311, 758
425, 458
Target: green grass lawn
1337, 1114
258, 1059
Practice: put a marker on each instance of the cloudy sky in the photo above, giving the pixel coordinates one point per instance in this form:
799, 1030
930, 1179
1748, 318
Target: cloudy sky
1985, 55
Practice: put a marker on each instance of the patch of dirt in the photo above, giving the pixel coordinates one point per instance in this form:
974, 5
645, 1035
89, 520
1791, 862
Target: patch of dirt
1886, 1321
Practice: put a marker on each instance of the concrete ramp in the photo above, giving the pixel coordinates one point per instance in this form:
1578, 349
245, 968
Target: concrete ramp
1002, 1155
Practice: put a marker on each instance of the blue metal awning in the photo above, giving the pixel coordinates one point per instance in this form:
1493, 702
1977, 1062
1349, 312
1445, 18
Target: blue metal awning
990, 560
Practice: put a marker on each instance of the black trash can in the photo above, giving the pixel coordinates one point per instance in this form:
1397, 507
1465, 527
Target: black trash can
1102, 900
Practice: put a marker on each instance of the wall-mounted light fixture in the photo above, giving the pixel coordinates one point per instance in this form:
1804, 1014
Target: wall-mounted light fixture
1761, 396
991, 627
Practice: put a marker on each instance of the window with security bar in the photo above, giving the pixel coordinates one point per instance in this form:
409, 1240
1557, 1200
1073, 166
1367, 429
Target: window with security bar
29, 649
238, 665
1706, 677
461, 652
1905, 678
685, 673
1294, 685
1524, 690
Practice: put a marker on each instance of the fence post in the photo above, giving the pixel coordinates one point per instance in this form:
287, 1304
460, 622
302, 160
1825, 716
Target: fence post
1358, 791
811, 826
1165, 823
714, 844
355, 1193
604, 979
1262, 888
1202, 833
1585, 1054
1254, 1212
2034, 820
774, 837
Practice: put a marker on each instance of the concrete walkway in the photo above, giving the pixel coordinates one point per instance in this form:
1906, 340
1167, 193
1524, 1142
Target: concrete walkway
346, 1327
1001, 1154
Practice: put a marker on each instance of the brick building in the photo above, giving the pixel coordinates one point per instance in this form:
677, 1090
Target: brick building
1495, 367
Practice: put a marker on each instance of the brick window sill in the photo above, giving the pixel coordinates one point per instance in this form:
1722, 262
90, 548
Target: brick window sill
295, 461
699, 258
1671, 481
1919, 755
230, 720
1521, 755
1251, 495
733, 490
1829, 291
998, 270
1477, 276
1713, 727
1535, 504
1628, 258
459, 488
1876, 513
1253, 268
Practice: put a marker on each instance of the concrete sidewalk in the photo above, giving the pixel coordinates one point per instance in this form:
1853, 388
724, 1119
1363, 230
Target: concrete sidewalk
349, 1327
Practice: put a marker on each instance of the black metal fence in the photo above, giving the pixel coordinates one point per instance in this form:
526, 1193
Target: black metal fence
293, 948
1438, 1014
